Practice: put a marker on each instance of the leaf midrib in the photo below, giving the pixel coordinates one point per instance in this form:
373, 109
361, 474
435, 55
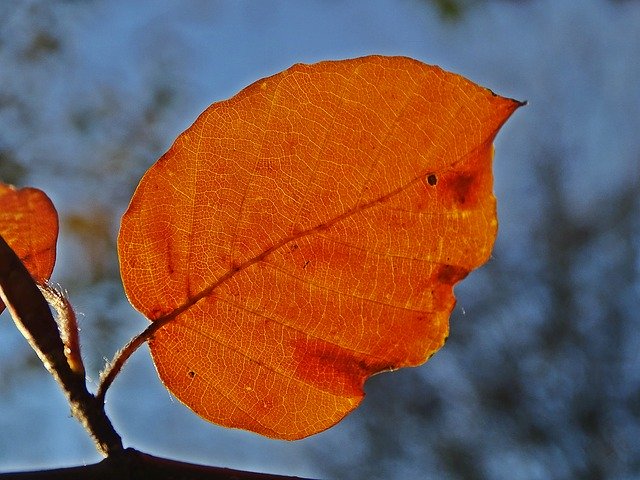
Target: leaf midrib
206, 292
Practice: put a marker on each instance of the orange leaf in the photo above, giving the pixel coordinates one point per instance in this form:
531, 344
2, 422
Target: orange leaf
29, 224
307, 233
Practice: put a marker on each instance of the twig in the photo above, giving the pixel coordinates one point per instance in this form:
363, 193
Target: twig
32, 315
33, 318
132, 464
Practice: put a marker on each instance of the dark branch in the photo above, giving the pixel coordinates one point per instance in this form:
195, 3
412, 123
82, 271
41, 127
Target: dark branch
131, 464
31, 313
33, 318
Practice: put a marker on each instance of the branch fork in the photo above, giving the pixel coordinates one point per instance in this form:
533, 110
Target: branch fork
58, 346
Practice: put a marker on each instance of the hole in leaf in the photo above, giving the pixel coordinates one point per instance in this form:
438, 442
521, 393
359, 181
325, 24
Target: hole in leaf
432, 179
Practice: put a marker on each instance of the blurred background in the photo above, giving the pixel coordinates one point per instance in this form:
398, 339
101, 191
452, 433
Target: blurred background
540, 377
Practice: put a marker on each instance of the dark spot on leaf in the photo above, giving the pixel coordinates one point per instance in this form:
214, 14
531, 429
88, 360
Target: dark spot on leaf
451, 274
432, 180
192, 374
333, 369
461, 187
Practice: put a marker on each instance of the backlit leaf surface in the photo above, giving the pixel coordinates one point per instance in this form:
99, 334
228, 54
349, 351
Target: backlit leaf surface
307, 233
29, 225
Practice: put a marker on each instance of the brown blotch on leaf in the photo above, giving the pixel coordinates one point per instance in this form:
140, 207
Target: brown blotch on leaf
334, 369
450, 274
462, 186
462, 189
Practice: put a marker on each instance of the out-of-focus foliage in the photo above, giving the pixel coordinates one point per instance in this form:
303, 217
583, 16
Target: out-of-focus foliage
94, 233
453, 10
449, 9
11, 172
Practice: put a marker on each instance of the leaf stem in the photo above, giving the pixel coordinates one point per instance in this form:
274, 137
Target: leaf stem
112, 369
67, 324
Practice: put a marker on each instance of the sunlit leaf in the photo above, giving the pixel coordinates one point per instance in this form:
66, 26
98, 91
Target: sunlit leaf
307, 233
29, 224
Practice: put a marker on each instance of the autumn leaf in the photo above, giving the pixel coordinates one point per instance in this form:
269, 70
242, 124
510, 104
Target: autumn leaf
307, 233
29, 225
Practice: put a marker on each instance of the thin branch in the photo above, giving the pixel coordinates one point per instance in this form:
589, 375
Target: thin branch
33, 318
30, 311
132, 464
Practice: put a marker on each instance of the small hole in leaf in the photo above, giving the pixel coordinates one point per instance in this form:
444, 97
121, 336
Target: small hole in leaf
432, 180
192, 374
